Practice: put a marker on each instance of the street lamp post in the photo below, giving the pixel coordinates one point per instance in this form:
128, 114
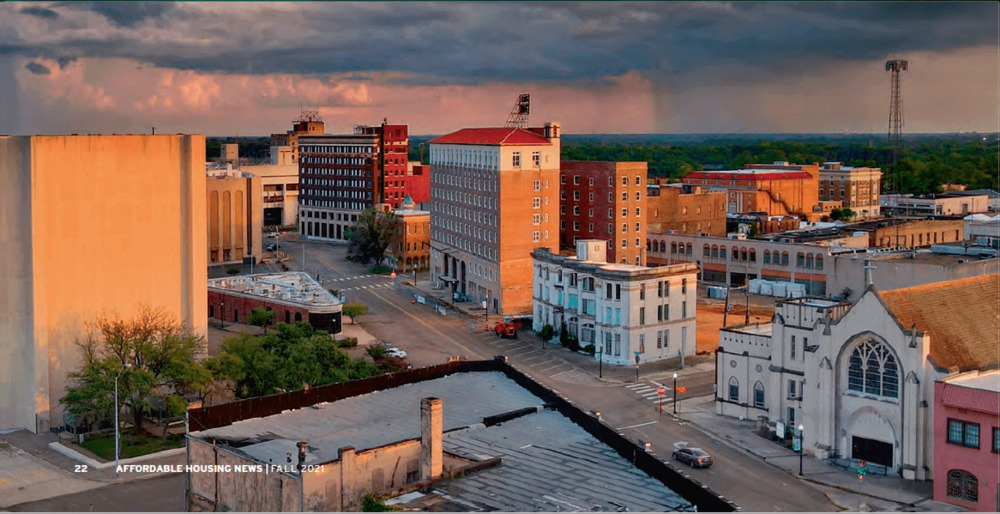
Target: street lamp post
802, 447
600, 362
675, 393
222, 316
117, 434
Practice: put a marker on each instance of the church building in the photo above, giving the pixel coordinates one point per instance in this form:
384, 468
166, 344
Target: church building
858, 380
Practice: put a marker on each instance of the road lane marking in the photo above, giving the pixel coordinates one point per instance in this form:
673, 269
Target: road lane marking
633, 386
637, 426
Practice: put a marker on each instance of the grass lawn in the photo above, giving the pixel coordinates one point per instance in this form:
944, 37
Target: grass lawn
104, 447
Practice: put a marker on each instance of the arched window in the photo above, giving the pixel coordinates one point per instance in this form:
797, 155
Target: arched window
872, 369
753, 255
743, 254
649, 246
800, 260
784, 258
722, 252
819, 262
736, 253
673, 247
767, 257
809, 260
758, 395
963, 485
715, 250
734, 389
706, 250
298, 317
688, 248
288, 316
663, 247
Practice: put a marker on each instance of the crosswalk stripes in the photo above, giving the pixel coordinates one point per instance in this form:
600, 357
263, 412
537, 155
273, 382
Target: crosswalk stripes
648, 392
371, 286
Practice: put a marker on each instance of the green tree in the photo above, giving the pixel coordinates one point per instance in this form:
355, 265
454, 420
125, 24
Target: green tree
372, 235
261, 317
152, 355
376, 351
233, 270
353, 309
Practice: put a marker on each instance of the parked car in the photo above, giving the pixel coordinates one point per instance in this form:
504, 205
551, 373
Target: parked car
694, 457
271, 248
396, 352
273, 235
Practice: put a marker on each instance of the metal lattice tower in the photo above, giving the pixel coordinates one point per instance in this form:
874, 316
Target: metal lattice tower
518, 117
895, 120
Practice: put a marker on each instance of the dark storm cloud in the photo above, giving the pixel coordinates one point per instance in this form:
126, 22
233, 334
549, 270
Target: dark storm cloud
125, 14
41, 12
472, 43
37, 68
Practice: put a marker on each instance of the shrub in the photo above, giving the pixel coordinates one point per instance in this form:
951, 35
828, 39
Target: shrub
547, 332
590, 349
563, 335
376, 351
233, 270
347, 342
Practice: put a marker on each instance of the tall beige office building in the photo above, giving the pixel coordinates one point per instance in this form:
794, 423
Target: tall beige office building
91, 225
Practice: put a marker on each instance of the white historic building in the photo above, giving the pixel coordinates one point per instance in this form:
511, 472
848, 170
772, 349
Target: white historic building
623, 309
860, 378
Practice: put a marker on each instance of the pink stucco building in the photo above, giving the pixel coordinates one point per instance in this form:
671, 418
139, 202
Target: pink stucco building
967, 440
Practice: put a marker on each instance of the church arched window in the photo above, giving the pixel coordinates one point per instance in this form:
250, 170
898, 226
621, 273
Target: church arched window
734, 389
872, 369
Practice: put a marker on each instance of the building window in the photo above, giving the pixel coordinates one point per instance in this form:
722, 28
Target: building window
791, 391
624, 181
872, 369
536, 159
516, 160
996, 440
642, 315
562, 179
963, 433
536, 219
576, 210
624, 196
576, 195
576, 180
793, 347
767, 257
963, 485
536, 236
536, 202
734, 389
536, 185
758, 395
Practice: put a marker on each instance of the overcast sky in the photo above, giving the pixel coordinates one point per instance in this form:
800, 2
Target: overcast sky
611, 67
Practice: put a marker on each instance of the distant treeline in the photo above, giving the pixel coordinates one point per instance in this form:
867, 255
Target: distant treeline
252, 149
925, 162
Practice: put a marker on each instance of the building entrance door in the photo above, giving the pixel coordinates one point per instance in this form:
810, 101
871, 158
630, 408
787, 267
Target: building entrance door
872, 451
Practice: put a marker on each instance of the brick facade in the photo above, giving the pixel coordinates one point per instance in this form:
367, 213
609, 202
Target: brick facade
688, 210
604, 200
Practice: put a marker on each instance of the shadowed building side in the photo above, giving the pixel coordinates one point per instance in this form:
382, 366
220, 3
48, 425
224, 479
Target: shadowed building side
91, 225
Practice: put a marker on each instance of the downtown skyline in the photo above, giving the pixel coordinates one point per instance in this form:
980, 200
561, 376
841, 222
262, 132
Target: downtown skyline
597, 67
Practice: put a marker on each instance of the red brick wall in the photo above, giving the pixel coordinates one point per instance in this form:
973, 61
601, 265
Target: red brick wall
244, 306
600, 172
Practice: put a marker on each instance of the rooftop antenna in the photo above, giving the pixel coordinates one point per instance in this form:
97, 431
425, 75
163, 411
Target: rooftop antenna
518, 117
895, 120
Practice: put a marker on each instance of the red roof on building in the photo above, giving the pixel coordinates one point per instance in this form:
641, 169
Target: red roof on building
728, 175
492, 136
979, 400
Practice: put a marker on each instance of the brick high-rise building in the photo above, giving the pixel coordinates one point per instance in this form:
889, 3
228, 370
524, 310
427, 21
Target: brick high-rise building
286, 145
604, 200
494, 199
857, 188
342, 175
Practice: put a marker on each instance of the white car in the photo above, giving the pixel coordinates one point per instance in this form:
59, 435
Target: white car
396, 352
273, 235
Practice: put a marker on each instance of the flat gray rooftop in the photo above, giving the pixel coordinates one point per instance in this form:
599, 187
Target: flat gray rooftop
373, 420
548, 463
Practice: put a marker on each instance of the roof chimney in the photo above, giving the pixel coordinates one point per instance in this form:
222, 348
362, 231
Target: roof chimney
302, 454
431, 434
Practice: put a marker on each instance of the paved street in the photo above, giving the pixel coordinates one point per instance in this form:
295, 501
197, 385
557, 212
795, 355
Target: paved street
159, 494
430, 338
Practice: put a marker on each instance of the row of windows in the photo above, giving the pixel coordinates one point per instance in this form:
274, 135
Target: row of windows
351, 161
458, 227
339, 194
314, 149
344, 173
481, 158
476, 200
322, 215
479, 249
333, 204
758, 392
611, 180
439, 210
477, 183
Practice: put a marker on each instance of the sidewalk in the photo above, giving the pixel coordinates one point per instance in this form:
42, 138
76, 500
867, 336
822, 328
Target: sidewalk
873, 493
614, 374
